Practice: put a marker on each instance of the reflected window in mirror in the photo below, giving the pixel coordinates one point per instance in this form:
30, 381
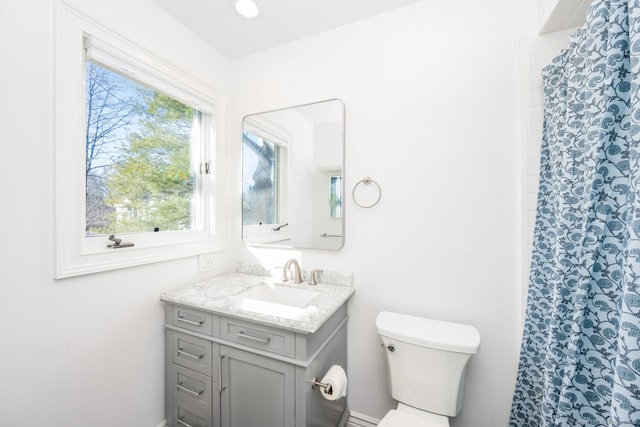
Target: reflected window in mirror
335, 199
259, 181
265, 166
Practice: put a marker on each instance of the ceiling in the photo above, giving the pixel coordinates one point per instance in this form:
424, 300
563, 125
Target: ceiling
279, 22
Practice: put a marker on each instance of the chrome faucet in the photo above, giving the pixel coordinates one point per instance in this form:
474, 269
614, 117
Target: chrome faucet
297, 277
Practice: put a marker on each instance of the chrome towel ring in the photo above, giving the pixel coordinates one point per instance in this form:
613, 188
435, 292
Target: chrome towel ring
366, 181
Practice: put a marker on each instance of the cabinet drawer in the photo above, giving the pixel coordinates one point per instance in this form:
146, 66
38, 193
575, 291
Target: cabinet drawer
194, 320
190, 352
258, 336
190, 386
186, 414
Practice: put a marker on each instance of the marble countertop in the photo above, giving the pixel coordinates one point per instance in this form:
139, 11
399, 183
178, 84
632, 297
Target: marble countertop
220, 295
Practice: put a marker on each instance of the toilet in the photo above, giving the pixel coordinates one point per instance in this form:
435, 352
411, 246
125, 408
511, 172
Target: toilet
426, 364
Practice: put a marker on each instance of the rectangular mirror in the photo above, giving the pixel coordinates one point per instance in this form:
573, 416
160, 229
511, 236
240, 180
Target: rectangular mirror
292, 177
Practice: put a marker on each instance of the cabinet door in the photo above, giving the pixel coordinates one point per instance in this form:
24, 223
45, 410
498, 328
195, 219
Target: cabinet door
257, 390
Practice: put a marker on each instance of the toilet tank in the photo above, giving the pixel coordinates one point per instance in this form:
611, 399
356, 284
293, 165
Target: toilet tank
426, 360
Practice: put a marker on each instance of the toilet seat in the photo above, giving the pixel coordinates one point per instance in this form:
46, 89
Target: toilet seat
395, 418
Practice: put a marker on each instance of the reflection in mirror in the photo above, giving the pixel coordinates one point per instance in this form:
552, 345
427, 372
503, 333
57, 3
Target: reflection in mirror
259, 189
292, 177
335, 200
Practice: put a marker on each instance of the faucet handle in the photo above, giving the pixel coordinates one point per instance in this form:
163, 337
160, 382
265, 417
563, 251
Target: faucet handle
313, 280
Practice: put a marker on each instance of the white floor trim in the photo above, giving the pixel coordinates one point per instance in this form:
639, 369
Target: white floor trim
360, 420
355, 420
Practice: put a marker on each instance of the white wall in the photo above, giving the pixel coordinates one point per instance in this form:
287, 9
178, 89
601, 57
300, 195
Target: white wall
87, 351
431, 109
431, 94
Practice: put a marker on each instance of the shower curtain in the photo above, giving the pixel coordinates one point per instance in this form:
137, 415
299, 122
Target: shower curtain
580, 356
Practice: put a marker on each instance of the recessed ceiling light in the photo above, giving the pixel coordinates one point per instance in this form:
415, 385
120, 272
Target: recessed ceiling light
247, 8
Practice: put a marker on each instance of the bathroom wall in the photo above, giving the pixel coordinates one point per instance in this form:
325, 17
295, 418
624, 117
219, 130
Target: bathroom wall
431, 94
86, 351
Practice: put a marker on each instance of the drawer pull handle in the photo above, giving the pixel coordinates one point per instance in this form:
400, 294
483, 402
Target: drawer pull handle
179, 420
188, 390
186, 353
191, 322
263, 340
220, 386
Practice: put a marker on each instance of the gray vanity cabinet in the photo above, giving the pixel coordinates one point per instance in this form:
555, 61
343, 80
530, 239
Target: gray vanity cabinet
256, 390
225, 371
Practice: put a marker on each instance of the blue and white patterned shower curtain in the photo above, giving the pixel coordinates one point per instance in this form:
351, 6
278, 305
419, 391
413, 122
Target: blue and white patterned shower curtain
580, 357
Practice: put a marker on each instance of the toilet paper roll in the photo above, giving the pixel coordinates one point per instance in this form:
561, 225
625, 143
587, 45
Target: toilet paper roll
336, 380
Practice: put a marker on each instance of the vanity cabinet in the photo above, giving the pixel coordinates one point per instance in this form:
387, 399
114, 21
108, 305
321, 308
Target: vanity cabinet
226, 371
256, 390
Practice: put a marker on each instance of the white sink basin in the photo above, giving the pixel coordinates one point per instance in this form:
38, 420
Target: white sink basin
283, 295
279, 301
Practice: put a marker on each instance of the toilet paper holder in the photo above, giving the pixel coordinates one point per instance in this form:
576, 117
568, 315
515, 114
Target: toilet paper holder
316, 383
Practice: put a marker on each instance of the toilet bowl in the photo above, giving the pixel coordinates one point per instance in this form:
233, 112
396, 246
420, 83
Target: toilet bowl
426, 365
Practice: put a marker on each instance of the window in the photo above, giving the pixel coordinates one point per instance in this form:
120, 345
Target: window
260, 183
265, 172
335, 196
134, 153
141, 146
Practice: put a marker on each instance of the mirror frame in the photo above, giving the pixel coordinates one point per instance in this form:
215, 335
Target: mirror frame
343, 184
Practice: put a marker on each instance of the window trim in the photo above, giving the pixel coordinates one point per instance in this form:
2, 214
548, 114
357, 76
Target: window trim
269, 131
76, 254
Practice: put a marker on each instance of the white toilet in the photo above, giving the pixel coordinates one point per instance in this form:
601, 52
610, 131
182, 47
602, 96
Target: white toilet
426, 361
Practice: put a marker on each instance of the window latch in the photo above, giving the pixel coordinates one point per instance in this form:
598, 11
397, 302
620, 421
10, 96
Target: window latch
207, 168
117, 243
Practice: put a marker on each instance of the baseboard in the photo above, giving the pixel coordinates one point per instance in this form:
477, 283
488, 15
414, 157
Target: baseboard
355, 420
360, 420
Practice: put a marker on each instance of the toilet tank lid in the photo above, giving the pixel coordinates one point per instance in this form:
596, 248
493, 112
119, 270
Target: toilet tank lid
428, 332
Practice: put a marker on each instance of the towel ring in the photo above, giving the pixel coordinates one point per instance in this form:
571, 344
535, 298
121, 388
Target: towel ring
366, 181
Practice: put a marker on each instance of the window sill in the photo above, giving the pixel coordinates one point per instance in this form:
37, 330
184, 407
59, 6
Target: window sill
263, 234
70, 263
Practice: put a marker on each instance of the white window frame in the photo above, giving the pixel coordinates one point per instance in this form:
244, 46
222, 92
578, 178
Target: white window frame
269, 131
75, 253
